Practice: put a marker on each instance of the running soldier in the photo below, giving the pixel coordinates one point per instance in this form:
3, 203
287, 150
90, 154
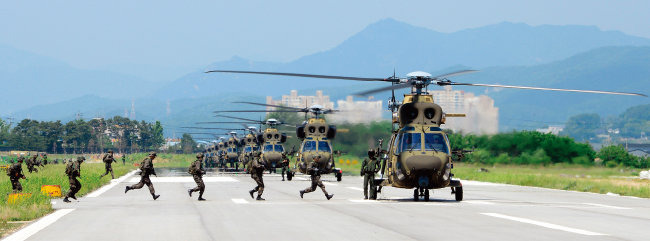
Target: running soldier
108, 162
15, 173
314, 172
256, 166
73, 170
285, 164
31, 162
146, 168
196, 169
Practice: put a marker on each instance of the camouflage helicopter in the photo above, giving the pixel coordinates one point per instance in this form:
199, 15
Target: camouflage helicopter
270, 139
419, 156
316, 136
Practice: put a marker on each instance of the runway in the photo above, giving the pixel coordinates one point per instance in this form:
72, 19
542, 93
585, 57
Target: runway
488, 212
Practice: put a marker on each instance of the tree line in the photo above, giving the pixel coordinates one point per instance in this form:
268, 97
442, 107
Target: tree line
79, 136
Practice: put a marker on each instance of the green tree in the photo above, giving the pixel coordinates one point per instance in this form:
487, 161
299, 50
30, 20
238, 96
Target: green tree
618, 155
582, 127
188, 145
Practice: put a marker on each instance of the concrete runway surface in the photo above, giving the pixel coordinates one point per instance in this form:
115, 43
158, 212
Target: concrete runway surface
488, 212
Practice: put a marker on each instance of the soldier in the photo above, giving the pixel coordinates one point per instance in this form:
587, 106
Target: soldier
314, 172
44, 159
256, 167
369, 167
31, 161
73, 170
285, 164
15, 173
108, 161
146, 168
123, 159
196, 169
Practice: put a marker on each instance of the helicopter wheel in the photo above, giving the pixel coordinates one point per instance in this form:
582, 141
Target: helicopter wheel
459, 193
339, 176
416, 195
426, 195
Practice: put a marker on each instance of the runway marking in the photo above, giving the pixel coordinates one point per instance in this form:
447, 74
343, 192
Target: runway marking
185, 179
356, 188
363, 201
239, 201
605, 206
39, 225
544, 224
479, 202
113, 183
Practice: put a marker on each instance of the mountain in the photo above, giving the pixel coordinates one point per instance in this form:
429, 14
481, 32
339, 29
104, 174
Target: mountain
624, 69
29, 79
390, 44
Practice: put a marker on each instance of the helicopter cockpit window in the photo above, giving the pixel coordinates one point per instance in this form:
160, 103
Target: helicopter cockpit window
324, 146
435, 142
279, 148
268, 148
247, 149
309, 146
411, 141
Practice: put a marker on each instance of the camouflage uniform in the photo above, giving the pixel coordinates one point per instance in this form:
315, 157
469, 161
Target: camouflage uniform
44, 159
196, 169
123, 159
369, 167
30, 164
108, 161
285, 164
146, 168
314, 172
256, 167
73, 170
15, 173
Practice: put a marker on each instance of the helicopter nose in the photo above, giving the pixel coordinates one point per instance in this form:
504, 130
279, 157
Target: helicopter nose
423, 163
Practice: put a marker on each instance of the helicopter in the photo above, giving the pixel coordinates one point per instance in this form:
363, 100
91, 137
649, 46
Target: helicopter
270, 139
316, 136
419, 155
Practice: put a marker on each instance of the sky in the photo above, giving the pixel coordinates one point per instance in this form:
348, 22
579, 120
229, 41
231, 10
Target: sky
162, 40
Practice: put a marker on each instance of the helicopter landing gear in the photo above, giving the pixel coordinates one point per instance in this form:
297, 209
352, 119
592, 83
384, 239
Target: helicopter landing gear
457, 189
289, 175
459, 193
420, 192
338, 174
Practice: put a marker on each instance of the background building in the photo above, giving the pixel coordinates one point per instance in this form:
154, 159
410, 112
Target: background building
482, 116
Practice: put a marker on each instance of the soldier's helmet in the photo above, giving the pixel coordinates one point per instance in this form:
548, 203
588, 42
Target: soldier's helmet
153, 153
21, 159
110, 151
371, 153
200, 155
81, 159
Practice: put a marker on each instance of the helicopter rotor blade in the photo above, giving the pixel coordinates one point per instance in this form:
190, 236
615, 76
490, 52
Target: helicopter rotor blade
392, 87
460, 72
224, 122
235, 111
267, 105
301, 75
207, 128
543, 88
237, 118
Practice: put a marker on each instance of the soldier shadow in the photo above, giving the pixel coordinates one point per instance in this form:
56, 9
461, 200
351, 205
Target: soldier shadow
410, 200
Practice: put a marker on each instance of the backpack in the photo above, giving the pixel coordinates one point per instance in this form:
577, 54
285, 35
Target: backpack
191, 170
69, 168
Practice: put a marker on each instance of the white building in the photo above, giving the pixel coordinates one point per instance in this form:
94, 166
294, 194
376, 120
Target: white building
351, 111
363, 111
482, 116
555, 130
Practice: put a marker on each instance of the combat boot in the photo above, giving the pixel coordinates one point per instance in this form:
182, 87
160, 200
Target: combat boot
126, 189
251, 193
259, 198
155, 197
201, 199
302, 192
329, 196
66, 200
189, 191
73, 197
